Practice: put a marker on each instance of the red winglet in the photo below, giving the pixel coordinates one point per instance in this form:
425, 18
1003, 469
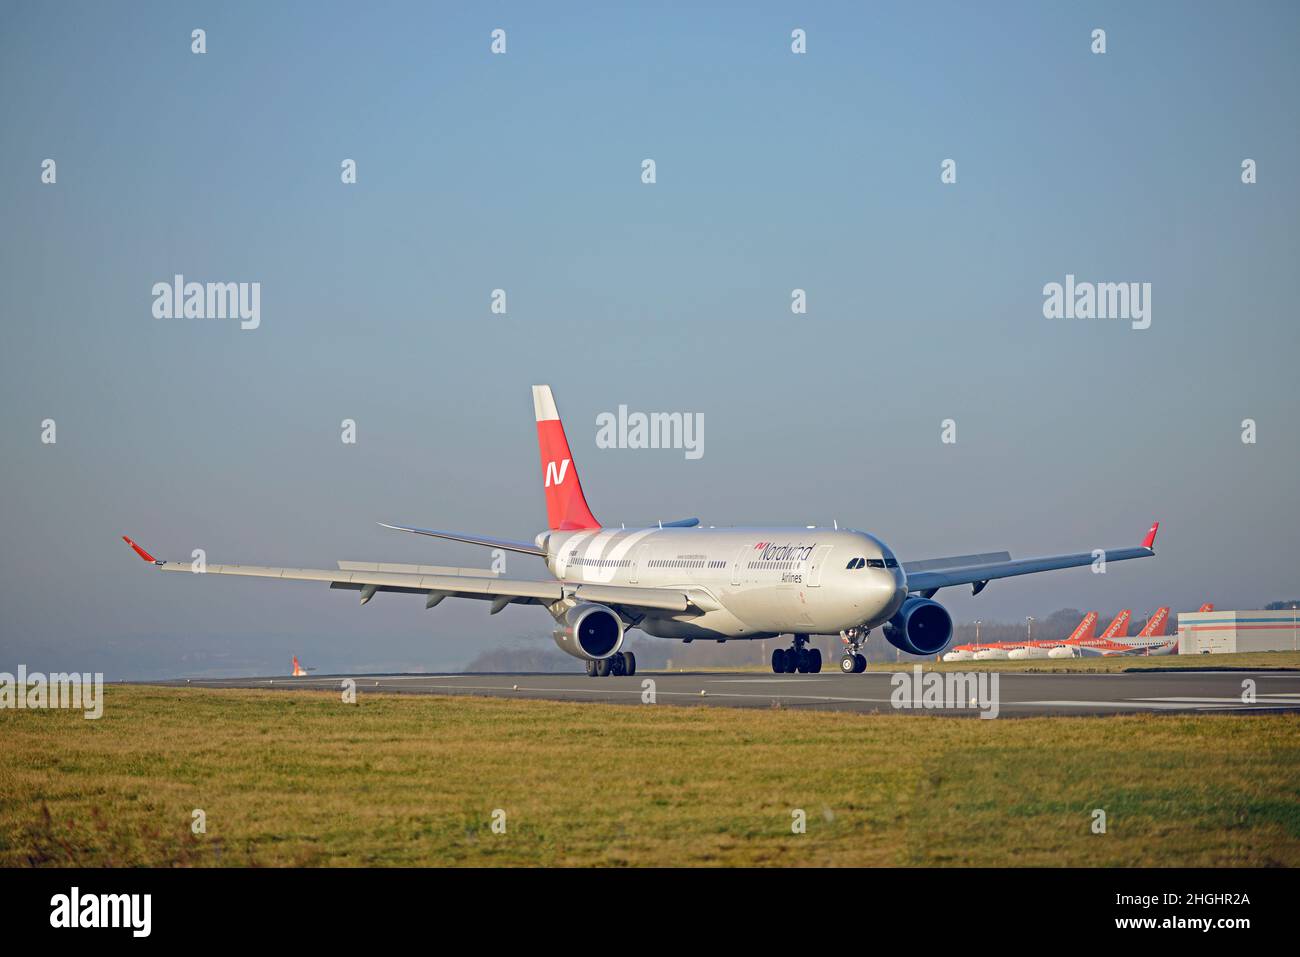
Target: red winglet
138, 550
1150, 540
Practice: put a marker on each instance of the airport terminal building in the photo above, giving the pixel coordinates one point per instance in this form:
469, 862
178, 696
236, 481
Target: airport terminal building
1226, 632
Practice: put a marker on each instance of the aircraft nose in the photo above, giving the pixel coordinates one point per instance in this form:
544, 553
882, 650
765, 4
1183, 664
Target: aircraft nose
888, 590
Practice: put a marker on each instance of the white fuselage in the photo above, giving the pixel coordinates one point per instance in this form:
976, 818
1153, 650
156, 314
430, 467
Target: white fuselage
751, 582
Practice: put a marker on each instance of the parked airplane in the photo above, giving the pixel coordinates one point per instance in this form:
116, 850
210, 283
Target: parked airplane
678, 580
1040, 649
1004, 650
968, 652
1151, 640
1043, 649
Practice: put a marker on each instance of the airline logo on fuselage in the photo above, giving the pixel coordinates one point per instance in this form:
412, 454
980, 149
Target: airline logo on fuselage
554, 474
783, 553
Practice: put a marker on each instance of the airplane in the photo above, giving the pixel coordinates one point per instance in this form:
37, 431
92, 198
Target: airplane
1004, 650
1014, 649
298, 670
681, 581
1151, 640
1041, 648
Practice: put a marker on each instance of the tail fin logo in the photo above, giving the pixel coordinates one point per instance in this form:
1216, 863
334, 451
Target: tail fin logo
566, 508
556, 475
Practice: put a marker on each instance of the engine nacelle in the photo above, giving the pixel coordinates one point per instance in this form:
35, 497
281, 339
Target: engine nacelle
590, 632
920, 627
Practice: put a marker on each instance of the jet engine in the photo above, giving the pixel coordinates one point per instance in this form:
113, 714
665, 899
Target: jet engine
589, 631
920, 627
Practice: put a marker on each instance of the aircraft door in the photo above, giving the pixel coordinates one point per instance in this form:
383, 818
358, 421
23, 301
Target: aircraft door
816, 564
736, 564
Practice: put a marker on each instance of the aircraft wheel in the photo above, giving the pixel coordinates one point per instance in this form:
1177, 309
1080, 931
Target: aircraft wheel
591, 668
791, 661
849, 664
602, 668
778, 661
815, 661
805, 661
629, 663
861, 663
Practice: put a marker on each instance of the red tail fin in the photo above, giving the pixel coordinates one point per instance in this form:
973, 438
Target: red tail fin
566, 507
1155, 624
1208, 606
1086, 629
1119, 627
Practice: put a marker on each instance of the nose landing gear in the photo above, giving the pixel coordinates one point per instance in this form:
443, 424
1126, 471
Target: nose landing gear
806, 661
853, 662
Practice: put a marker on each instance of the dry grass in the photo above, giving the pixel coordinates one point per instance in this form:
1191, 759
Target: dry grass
300, 778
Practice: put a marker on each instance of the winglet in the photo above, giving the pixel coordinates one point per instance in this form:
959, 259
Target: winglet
140, 551
1150, 540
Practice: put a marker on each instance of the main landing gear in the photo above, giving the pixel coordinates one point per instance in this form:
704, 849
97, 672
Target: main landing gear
806, 661
620, 665
854, 661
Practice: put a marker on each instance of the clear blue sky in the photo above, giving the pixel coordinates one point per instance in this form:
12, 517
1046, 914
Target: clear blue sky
522, 171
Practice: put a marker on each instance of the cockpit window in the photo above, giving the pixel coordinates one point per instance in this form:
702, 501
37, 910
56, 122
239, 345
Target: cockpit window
872, 563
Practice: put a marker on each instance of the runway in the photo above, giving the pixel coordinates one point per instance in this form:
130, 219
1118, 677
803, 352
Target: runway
1018, 694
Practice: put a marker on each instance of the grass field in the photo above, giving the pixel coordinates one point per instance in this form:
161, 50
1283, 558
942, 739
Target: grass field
301, 778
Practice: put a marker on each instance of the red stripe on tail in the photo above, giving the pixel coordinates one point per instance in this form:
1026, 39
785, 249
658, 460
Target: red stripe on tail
566, 506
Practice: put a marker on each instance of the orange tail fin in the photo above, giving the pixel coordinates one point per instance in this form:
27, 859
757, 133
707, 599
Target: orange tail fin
1155, 624
1086, 629
1119, 627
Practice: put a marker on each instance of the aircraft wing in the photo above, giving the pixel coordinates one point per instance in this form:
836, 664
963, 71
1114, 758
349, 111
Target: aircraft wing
524, 548
438, 583
929, 576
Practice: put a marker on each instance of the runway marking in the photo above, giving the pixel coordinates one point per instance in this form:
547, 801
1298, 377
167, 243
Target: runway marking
770, 681
1279, 699
1149, 704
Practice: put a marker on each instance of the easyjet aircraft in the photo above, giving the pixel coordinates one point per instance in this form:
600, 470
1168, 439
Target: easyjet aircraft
679, 580
1042, 649
968, 652
1151, 640
1005, 650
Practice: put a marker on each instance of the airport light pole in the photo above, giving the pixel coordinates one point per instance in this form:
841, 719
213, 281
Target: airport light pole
1030, 636
977, 630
